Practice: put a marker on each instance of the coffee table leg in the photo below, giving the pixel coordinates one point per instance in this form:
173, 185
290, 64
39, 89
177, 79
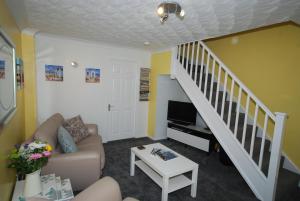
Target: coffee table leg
132, 163
194, 184
165, 187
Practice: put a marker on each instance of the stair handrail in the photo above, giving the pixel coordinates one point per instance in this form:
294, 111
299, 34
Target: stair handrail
239, 82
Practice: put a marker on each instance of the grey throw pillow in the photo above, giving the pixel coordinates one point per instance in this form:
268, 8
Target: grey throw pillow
76, 128
66, 141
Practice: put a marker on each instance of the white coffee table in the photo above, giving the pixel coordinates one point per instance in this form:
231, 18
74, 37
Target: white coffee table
167, 174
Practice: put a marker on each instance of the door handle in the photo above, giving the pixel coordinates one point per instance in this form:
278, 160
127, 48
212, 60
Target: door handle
109, 107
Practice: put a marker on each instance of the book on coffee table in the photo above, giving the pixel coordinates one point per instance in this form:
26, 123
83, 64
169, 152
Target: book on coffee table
164, 154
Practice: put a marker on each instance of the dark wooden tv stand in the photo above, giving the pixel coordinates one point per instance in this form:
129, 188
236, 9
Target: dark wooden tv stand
192, 135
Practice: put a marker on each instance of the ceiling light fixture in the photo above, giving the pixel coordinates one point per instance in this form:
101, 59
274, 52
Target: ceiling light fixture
146, 43
166, 8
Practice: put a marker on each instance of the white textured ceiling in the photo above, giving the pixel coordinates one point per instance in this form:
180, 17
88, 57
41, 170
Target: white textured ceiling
132, 22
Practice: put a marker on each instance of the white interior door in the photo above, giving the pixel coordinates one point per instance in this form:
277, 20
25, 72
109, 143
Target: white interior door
121, 108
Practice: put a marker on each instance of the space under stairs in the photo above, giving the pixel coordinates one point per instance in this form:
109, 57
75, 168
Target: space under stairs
239, 120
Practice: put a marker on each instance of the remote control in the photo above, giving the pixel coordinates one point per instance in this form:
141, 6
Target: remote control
141, 147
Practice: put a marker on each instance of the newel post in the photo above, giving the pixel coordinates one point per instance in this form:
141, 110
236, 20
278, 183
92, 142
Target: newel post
173, 62
274, 165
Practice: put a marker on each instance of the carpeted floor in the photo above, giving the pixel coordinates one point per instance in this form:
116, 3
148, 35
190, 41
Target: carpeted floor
216, 182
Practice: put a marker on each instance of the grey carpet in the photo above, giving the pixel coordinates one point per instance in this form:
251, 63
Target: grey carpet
215, 181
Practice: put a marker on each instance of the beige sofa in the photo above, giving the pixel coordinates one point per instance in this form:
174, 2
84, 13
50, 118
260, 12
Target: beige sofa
106, 189
83, 167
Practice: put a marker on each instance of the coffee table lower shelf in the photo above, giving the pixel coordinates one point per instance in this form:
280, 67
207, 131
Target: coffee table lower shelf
175, 183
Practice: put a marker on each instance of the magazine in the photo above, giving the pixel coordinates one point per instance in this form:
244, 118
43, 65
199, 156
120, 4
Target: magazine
164, 154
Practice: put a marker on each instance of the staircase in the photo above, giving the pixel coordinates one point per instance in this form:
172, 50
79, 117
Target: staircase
239, 120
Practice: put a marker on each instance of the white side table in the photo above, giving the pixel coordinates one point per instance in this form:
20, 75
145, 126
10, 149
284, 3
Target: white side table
53, 188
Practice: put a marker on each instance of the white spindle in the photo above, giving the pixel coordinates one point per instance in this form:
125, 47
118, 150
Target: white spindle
245, 120
212, 80
263, 140
192, 60
196, 68
179, 53
183, 56
201, 68
218, 88
253, 130
224, 95
237, 111
206, 75
187, 58
230, 103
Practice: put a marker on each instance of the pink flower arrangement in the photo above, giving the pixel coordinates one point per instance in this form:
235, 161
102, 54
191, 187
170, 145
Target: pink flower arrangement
35, 156
29, 158
47, 153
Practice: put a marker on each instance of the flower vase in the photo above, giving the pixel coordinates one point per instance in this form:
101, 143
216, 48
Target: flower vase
33, 184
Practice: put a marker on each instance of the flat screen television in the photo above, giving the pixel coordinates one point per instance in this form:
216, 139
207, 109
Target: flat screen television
181, 112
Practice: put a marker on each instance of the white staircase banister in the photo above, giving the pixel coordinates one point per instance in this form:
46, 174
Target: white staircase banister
251, 168
238, 81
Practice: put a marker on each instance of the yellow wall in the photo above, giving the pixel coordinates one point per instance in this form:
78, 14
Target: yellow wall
13, 132
28, 56
267, 61
160, 64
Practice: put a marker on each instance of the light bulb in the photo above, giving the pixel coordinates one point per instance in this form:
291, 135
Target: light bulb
182, 13
160, 10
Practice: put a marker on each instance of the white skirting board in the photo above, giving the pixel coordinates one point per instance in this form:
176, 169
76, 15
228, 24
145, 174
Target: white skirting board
289, 165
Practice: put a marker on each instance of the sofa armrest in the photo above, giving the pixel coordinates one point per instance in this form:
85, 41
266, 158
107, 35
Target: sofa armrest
69, 165
92, 129
105, 189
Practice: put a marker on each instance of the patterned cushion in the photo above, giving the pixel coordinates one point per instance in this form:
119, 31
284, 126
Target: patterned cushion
76, 128
66, 141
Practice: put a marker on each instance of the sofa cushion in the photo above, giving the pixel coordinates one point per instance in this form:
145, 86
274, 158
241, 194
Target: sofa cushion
76, 128
47, 131
66, 141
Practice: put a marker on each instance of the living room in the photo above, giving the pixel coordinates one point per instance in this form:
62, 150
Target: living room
108, 39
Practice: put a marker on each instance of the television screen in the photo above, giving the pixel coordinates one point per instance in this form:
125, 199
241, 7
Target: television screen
182, 112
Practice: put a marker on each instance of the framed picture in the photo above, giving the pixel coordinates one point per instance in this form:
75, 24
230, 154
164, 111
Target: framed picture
2, 69
144, 84
92, 75
7, 79
19, 73
54, 73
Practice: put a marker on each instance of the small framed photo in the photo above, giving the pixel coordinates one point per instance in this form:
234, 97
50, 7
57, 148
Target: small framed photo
54, 73
2, 69
92, 75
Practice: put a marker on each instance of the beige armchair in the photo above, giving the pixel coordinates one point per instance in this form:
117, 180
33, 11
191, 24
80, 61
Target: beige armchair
105, 189
83, 167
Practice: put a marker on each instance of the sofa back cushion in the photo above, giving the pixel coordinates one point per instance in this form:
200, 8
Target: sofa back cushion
47, 131
76, 128
66, 141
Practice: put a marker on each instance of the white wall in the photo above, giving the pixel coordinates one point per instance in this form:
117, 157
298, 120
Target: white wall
73, 96
168, 89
